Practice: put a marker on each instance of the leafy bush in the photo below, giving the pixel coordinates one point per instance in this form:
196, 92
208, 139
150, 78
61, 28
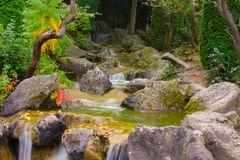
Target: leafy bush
92, 5
216, 47
8, 80
185, 50
49, 66
169, 71
14, 49
12, 10
81, 27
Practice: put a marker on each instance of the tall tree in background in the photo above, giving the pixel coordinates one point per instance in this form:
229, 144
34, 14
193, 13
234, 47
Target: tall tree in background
224, 11
48, 35
133, 17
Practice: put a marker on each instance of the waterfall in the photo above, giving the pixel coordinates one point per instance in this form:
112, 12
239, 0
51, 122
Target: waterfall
117, 152
25, 144
61, 154
118, 78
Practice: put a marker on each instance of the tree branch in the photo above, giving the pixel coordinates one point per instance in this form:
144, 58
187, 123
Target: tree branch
45, 36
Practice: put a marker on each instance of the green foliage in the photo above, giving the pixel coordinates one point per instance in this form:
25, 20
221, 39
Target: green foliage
12, 10
158, 27
185, 50
48, 66
6, 77
81, 27
14, 49
193, 106
216, 47
169, 71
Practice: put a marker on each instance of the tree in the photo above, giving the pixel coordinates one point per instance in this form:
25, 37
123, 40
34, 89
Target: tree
133, 17
224, 11
177, 6
48, 35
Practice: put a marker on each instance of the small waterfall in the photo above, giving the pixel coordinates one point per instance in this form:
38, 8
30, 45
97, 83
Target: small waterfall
118, 78
61, 154
25, 144
117, 152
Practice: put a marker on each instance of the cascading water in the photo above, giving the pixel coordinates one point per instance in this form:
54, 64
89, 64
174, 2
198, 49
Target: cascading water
25, 144
61, 154
118, 78
117, 152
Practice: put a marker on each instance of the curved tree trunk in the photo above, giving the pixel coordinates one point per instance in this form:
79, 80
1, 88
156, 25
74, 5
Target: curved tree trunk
226, 14
44, 37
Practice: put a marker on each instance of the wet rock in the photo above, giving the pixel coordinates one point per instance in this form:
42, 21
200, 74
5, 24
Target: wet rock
49, 130
101, 27
144, 36
175, 60
84, 144
166, 143
132, 43
222, 97
95, 82
144, 58
137, 84
157, 96
30, 93
219, 131
75, 67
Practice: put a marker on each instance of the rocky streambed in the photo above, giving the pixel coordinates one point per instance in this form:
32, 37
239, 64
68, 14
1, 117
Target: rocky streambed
120, 108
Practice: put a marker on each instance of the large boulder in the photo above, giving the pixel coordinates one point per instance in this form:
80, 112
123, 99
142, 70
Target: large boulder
220, 132
157, 96
84, 144
30, 93
144, 58
95, 82
166, 143
76, 67
222, 97
49, 130
137, 84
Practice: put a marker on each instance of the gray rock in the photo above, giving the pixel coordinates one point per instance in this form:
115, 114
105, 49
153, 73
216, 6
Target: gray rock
85, 144
76, 142
75, 52
30, 93
49, 129
75, 67
157, 96
137, 84
95, 82
175, 60
222, 97
221, 137
166, 143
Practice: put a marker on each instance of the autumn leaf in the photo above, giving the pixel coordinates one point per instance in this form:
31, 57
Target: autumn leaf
62, 96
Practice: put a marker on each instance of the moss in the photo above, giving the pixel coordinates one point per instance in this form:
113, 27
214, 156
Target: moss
172, 98
192, 106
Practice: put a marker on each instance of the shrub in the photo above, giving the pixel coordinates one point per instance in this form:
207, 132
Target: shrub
12, 10
14, 49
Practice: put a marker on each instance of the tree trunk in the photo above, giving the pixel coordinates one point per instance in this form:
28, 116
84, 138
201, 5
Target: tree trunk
169, 33
44, 37
133, 17
226, 14
189, 28
195, 18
